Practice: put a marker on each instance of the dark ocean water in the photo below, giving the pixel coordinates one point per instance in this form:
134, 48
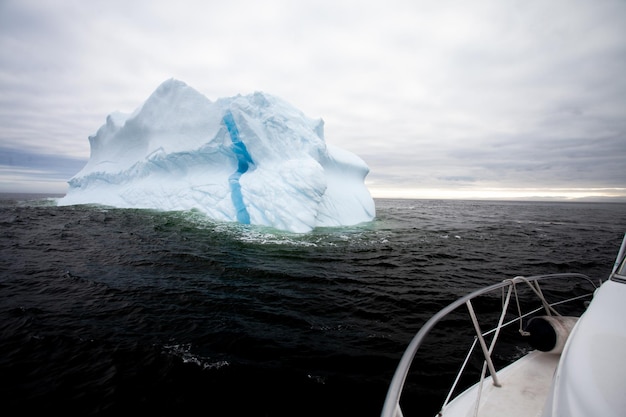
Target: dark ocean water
104, 311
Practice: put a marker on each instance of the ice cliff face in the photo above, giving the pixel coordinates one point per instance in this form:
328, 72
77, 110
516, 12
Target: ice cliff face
253, 159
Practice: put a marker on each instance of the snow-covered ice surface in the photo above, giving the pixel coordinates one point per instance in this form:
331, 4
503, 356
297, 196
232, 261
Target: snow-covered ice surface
254, 159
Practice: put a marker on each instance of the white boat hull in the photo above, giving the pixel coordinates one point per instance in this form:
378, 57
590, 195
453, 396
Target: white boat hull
591, 376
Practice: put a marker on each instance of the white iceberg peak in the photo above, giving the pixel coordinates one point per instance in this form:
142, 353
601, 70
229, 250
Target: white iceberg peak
254, 159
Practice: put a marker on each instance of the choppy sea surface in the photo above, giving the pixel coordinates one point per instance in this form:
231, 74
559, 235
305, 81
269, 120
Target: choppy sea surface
106, 311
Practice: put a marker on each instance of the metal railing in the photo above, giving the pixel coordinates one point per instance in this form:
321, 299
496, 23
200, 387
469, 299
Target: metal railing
391, 407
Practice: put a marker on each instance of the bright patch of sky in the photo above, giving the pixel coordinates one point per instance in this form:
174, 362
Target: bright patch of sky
480, 99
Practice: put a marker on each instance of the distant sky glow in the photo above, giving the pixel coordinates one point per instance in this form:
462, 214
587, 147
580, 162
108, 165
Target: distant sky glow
442, 99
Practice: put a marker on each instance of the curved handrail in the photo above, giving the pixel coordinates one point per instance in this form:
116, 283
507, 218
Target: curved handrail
391, 406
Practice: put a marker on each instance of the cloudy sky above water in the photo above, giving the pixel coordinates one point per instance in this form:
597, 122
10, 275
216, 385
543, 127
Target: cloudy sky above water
462, 99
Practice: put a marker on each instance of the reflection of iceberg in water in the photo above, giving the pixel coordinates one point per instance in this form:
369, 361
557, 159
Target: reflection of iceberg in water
253, 159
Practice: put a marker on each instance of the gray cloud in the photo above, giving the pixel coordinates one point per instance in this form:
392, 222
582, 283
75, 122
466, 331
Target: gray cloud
24, 171
432, 95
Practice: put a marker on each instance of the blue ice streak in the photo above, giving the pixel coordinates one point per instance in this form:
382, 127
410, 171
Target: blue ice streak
244, 160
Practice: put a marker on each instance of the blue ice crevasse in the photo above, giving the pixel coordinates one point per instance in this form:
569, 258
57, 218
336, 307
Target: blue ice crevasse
244, 160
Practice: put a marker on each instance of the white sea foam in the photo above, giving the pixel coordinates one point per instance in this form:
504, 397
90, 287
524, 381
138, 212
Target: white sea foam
184, 353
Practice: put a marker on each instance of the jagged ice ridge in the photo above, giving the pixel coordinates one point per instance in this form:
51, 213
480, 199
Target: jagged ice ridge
254, 159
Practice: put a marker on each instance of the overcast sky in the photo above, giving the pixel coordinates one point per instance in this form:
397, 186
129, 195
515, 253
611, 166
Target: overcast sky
440, 98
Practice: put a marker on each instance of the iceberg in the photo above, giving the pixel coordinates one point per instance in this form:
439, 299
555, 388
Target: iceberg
251, 159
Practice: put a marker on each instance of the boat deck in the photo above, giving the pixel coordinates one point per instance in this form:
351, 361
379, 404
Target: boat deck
525, 385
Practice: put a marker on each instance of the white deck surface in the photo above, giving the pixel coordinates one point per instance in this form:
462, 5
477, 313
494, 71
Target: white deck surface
525, 385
